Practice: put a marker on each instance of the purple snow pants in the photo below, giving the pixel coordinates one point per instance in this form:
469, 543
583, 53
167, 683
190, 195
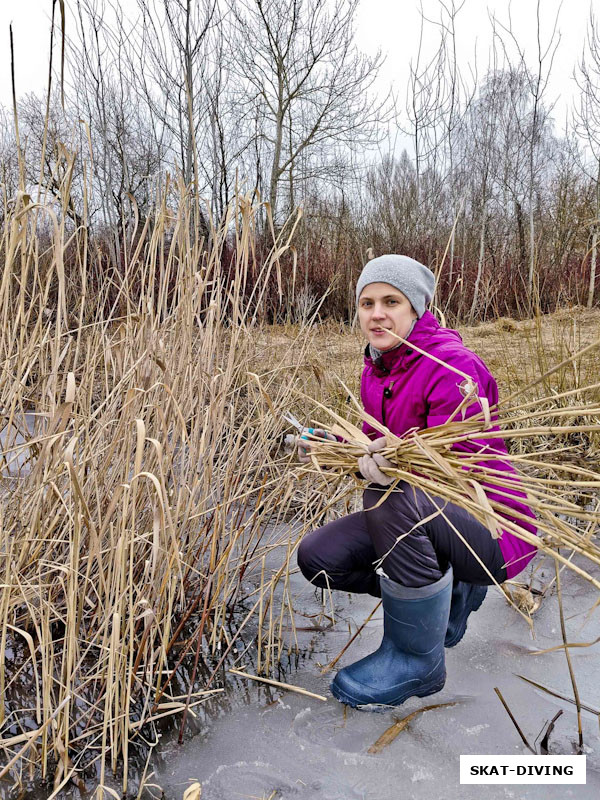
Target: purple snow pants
407, 537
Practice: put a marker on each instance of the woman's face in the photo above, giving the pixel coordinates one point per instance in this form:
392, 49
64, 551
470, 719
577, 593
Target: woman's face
383, 308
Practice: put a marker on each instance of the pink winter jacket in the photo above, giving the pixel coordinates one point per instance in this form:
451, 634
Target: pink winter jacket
404, 389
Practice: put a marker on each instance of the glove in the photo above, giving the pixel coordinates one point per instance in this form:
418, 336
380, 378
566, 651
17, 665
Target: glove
304, 444
369, 464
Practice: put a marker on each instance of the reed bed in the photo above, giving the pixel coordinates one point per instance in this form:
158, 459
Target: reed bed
139, 471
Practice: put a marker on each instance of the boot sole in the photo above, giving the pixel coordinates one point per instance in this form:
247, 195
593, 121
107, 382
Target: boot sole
380, 708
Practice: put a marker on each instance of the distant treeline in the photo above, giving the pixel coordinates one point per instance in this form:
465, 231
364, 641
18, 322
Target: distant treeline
273, 99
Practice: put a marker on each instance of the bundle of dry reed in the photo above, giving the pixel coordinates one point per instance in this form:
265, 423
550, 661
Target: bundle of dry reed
564, 496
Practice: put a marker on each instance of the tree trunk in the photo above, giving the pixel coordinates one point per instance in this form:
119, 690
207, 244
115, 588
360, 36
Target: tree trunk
451, 257
592, 286
275, 168
531, 249
479, 270
521, 234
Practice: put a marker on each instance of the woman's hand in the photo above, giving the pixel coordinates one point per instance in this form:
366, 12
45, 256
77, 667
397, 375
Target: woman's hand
369, 464
305, 445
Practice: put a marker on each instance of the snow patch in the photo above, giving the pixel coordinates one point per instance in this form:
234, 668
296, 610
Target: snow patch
476, 729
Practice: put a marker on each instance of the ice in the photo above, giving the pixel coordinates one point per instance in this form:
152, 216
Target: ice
280, 745
16, 459
324, 726
476, 729
422, 775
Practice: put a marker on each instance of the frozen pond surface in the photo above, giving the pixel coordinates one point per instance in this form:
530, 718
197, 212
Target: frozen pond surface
265, 744
16, 460
274, 745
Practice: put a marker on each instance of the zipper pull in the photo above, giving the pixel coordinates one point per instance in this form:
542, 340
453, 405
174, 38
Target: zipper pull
387, 392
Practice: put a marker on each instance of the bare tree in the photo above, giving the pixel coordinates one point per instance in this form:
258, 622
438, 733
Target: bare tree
481, 135
424, 101
453, 97
587, 125
9, 162
296, 60
540, 110
128, 146
174, 36
438, 99
391, 209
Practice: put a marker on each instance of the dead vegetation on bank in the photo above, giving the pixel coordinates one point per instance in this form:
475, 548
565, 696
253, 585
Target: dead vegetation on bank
516, 351
137, 505
140, 470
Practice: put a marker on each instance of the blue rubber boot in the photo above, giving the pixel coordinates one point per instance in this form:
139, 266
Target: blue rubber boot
410, 659
466, 597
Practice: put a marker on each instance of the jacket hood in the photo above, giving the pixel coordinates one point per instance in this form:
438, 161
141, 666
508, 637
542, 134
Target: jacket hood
427, 334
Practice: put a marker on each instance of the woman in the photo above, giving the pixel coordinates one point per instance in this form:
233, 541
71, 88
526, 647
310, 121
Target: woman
429, 560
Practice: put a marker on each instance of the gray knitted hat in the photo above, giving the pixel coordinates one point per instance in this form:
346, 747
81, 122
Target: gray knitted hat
410, 277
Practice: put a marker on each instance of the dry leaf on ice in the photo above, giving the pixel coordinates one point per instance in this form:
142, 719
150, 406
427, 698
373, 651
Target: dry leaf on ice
524, 599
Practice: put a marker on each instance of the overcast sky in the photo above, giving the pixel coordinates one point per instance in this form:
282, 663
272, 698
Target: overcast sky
392, 25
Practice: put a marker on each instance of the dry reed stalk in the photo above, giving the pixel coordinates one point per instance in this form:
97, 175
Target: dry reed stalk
278, 684
31, 738
513, 720
568, 655
356, 633
389, 735
560, 695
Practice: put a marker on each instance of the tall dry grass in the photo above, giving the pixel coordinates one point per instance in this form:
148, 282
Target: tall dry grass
136, 507
154, 480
